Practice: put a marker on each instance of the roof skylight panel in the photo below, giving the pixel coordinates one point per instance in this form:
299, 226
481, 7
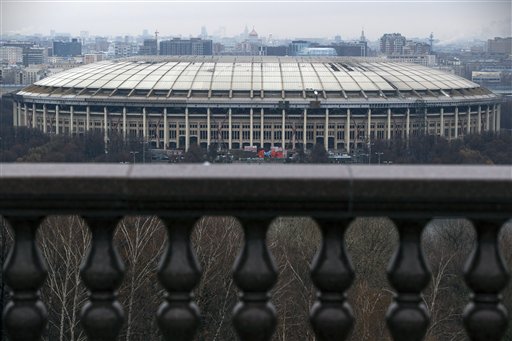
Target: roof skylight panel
164, 84
201, 85
129, 84
350, 86
113, 84
331, 86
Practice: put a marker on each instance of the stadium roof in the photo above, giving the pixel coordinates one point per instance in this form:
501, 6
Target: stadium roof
204, 76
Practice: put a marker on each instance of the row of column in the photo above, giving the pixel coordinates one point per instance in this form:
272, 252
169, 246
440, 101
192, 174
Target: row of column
23, 120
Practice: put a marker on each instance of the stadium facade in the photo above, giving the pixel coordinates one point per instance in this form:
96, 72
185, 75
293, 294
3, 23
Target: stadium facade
232, 102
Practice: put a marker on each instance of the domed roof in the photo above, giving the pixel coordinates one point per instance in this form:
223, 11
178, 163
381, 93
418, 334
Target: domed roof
253, 33
340, 79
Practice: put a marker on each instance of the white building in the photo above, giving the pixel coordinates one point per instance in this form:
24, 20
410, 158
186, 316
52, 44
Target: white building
11, 55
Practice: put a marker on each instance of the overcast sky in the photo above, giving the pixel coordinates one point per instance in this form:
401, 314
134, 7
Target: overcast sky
449, 20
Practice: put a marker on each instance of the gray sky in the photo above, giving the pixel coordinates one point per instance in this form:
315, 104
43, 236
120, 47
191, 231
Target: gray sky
449, 20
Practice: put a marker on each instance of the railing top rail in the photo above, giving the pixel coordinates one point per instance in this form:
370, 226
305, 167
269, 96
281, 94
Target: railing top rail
391, 190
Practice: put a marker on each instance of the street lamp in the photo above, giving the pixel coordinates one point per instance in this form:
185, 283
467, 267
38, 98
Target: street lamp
134, 153
379, 155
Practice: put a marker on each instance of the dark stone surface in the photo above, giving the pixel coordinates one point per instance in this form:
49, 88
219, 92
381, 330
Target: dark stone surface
469, 191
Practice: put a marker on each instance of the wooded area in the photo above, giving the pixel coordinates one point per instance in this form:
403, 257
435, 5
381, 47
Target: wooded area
293, 243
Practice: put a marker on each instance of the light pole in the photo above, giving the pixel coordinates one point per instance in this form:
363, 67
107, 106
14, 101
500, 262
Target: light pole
369, 151
379, 155
134, 153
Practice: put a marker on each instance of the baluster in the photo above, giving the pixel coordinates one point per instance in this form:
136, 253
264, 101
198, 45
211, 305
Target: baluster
408, 273
179, 273
254, 317
102, 273
25, 315
332, 274
485, 317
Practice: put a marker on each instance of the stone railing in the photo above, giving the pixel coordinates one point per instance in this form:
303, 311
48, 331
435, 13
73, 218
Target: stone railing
333, 195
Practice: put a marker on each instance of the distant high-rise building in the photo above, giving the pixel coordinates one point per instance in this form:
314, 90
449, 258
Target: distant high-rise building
122, 50
30, 54
204, 33
84, 35
218, 48
182, 47
355, 49
392, 44
11, 55
67, 49
150, 47
275, 50
415, 48
500, 46
34, 55
102, 44
298, 45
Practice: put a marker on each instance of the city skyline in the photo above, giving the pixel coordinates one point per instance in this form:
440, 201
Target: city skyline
449, 20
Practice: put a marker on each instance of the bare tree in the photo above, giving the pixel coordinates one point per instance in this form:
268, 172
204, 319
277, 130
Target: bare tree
141, 241
217, 241
64, 242
293, 243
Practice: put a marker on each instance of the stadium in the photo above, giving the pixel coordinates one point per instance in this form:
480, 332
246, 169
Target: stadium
234, 102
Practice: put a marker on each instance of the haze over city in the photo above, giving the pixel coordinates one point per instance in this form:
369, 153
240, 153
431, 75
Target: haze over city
449, 20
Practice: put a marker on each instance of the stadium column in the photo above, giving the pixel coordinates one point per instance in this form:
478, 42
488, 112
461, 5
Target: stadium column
456, 122
57, 119
479, 126
105, 124
408, 123
305, 130
369, 127
208, 128
71, 117
25, 115
487, 118
14, 114
469, 121
442, 122
347, 132
262, 127
87, 118
124, 124
493, 124
45, 112
178, 135
187, 130
33, 115
388, 136
283, 130
326, 130
144, 124
18, 114
230, 130
251, 118
498, 118
166, 130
